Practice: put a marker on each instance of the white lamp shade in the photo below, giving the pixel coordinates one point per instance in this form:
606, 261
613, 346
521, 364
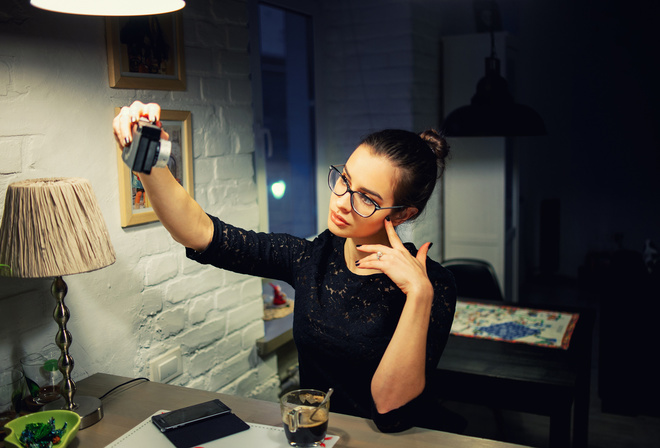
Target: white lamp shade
110, 7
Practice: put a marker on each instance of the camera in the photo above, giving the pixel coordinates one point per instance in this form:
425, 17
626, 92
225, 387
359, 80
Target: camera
147, 149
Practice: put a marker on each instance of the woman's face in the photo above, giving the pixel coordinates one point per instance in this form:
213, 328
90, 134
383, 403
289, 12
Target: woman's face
375, 177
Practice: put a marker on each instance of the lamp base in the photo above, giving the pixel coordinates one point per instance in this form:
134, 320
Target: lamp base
90, 409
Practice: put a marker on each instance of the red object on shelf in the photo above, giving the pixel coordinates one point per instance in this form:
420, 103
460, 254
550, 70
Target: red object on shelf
279, 298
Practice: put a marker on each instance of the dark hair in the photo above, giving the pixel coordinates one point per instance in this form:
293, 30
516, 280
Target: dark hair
421, 158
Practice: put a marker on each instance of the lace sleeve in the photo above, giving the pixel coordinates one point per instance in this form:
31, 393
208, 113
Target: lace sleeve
271, 255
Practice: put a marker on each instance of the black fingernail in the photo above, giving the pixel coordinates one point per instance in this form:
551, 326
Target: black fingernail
430, 245
357, 263
387, 218
358, 245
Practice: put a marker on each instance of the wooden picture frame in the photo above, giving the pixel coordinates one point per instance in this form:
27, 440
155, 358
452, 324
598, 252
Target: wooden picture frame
146, 52
133, 201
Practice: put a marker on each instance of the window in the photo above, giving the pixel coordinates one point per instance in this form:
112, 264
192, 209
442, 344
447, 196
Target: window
284, 114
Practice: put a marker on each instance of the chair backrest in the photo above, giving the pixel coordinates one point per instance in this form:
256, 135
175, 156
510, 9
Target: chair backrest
475, 279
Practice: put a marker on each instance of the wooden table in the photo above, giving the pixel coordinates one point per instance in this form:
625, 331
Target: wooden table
526, 378
131, 404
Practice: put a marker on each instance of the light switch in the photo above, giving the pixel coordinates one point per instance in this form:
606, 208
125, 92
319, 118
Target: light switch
167, 366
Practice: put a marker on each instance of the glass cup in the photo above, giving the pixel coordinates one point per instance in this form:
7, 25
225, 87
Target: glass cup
42, 376
12, 390
305, 419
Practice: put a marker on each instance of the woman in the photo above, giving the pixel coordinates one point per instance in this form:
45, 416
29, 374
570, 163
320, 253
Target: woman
372, 315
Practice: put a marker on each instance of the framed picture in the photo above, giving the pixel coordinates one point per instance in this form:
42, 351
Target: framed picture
133, 200
146, 52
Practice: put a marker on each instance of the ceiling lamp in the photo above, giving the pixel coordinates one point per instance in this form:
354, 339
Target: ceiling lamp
110, 7
492, 111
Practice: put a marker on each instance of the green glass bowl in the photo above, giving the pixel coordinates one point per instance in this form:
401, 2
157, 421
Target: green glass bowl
18, 425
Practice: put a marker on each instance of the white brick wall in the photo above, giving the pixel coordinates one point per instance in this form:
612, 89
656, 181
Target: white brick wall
11, 150
55, 120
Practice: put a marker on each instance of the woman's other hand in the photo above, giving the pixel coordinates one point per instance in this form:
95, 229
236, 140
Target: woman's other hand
408, 272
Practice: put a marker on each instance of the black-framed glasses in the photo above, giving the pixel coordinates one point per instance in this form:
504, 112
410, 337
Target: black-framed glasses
363, 205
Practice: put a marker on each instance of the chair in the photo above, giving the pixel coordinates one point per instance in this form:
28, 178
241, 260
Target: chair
475, 279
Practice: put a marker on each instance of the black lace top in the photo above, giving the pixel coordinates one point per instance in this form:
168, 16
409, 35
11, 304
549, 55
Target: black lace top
343, 322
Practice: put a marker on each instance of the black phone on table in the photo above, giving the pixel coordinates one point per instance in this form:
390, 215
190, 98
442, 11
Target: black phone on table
184, 416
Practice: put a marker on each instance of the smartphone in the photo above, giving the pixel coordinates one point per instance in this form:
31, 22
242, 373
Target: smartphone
184, 416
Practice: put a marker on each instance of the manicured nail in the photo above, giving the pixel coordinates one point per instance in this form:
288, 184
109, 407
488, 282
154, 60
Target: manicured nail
387, 218
126, 141
358, 245
430, 245
357, 263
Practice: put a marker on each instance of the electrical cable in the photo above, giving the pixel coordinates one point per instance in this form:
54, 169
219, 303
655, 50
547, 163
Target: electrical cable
121, 385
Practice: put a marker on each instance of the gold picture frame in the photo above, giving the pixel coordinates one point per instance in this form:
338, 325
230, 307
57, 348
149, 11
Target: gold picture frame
146, 52
133, 200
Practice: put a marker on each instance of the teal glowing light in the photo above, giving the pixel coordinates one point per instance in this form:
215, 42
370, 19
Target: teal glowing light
278, 189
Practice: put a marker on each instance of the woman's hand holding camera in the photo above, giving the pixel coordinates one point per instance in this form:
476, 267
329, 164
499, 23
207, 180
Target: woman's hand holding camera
176, 209
125, 123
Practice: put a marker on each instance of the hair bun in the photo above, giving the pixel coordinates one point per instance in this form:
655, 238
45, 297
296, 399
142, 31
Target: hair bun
438, 145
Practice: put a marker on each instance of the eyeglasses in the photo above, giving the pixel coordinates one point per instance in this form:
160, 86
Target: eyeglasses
363, 205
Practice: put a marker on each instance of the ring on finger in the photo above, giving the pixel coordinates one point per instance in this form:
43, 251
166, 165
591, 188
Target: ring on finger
378, 255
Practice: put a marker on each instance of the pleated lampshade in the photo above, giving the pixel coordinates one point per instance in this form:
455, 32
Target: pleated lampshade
53, 227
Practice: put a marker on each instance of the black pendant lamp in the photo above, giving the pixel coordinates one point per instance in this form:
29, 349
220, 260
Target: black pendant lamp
492, 111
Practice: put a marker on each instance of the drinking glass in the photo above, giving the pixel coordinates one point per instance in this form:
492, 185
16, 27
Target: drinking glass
305, 417
12, 389
42, 376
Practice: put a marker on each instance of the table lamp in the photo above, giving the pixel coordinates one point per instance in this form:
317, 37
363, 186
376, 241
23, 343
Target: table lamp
50, 228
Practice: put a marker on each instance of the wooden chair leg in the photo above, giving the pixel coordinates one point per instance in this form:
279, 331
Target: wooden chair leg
560, 427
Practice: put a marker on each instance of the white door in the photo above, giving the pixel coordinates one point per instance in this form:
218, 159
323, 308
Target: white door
475, 183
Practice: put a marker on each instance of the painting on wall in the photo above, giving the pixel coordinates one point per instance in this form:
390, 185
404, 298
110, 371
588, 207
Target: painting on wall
146, 52
134, 202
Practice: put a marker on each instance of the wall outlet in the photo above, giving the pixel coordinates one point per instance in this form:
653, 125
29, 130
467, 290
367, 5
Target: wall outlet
167, 366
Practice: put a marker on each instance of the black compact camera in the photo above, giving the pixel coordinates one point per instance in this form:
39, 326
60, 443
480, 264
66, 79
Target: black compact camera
147, 149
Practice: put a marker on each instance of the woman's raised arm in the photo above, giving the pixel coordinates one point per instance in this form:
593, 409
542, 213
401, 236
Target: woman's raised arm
180, 214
